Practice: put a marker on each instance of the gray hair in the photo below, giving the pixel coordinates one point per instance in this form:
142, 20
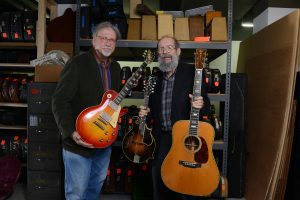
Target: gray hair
103, 25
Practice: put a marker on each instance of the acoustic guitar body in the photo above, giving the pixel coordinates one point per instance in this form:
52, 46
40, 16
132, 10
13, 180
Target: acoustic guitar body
98, 125
190, 167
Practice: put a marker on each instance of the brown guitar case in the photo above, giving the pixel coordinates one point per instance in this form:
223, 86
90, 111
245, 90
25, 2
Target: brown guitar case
13, 90
1, 97
4, 89
62, 29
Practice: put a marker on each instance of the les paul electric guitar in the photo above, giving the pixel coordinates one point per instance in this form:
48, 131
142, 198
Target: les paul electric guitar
98, 125
190, 167
138, 144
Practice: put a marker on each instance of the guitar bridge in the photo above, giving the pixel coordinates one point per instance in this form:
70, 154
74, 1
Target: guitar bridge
189, 164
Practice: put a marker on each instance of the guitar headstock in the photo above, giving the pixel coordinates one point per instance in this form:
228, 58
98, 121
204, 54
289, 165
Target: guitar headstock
200, 58
149, 84
148, 56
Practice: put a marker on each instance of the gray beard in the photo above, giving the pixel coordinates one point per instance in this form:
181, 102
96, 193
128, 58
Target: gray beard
168, 67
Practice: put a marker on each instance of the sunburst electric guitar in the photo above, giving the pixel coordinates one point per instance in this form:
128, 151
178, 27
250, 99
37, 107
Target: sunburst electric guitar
98, 125
190, 167
139, 144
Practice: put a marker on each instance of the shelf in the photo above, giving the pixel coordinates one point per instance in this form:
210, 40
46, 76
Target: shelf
218, 145
8, 104
17, 45
132, 50
212, 97
217, 97
153, 44
16, 65
13, 127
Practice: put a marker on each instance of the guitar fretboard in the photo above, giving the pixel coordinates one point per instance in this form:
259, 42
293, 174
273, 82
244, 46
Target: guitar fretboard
194, 115
129, 84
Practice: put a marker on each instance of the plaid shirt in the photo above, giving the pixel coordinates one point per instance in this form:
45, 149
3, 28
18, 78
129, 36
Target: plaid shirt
167, 89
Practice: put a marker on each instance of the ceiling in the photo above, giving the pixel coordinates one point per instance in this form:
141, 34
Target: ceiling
240, 7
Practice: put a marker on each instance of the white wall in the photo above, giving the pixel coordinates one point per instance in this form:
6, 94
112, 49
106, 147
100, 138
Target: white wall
269, 16
220, 62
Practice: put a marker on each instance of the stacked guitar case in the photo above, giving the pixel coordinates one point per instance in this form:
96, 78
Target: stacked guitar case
18, 26
112, 10
99, 11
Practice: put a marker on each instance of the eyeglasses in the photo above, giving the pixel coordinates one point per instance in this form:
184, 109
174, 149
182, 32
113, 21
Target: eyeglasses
166, 49
105, 39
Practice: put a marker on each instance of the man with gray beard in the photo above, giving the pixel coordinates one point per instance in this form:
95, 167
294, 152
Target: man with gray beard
170, 102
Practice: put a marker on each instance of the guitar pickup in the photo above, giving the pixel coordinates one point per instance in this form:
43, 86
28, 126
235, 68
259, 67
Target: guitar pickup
101, 120
99, 125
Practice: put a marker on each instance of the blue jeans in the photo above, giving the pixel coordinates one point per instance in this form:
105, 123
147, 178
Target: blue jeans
84, 176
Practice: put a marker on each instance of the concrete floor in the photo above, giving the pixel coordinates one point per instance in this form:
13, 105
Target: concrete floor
20, 194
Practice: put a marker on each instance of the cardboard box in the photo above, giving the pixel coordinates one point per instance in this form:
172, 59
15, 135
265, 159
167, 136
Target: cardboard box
217, 29
165, 25
196, 27
66, 47
181, 28
209, 15
149, 31
134, 29
132, 7
47, 73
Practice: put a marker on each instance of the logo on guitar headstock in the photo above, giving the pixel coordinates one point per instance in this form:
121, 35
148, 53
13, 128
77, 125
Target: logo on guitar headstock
200, 58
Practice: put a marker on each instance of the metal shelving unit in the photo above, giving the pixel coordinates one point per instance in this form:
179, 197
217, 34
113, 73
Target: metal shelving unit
220, 47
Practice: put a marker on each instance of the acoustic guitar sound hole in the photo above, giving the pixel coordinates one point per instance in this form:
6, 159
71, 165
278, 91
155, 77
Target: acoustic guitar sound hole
192, 143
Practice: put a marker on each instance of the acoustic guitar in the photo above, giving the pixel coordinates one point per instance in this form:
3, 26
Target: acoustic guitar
98, 125
138, 144
190, 167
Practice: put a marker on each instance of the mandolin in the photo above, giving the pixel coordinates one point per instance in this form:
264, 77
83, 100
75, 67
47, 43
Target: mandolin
98, 125
138, 144
190, 167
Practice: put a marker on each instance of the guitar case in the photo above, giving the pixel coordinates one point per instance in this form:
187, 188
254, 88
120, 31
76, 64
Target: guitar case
5, 89
4, 147
29, 31
216, 81
66, 26
13, 90
16, 26
155, 70
10, 170
236, 164
5, 26
125, 75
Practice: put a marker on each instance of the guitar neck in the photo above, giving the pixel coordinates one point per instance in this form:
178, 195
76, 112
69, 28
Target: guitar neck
129, 84
143, 120
194, 115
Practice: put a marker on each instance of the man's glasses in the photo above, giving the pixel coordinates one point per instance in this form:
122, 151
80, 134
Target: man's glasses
105, 39
166, 49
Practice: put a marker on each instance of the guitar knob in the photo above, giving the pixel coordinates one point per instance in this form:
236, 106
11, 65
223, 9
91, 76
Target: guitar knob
106, 133
101, 140
113, 134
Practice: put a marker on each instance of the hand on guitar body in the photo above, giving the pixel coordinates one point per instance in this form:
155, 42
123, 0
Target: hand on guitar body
77, 138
